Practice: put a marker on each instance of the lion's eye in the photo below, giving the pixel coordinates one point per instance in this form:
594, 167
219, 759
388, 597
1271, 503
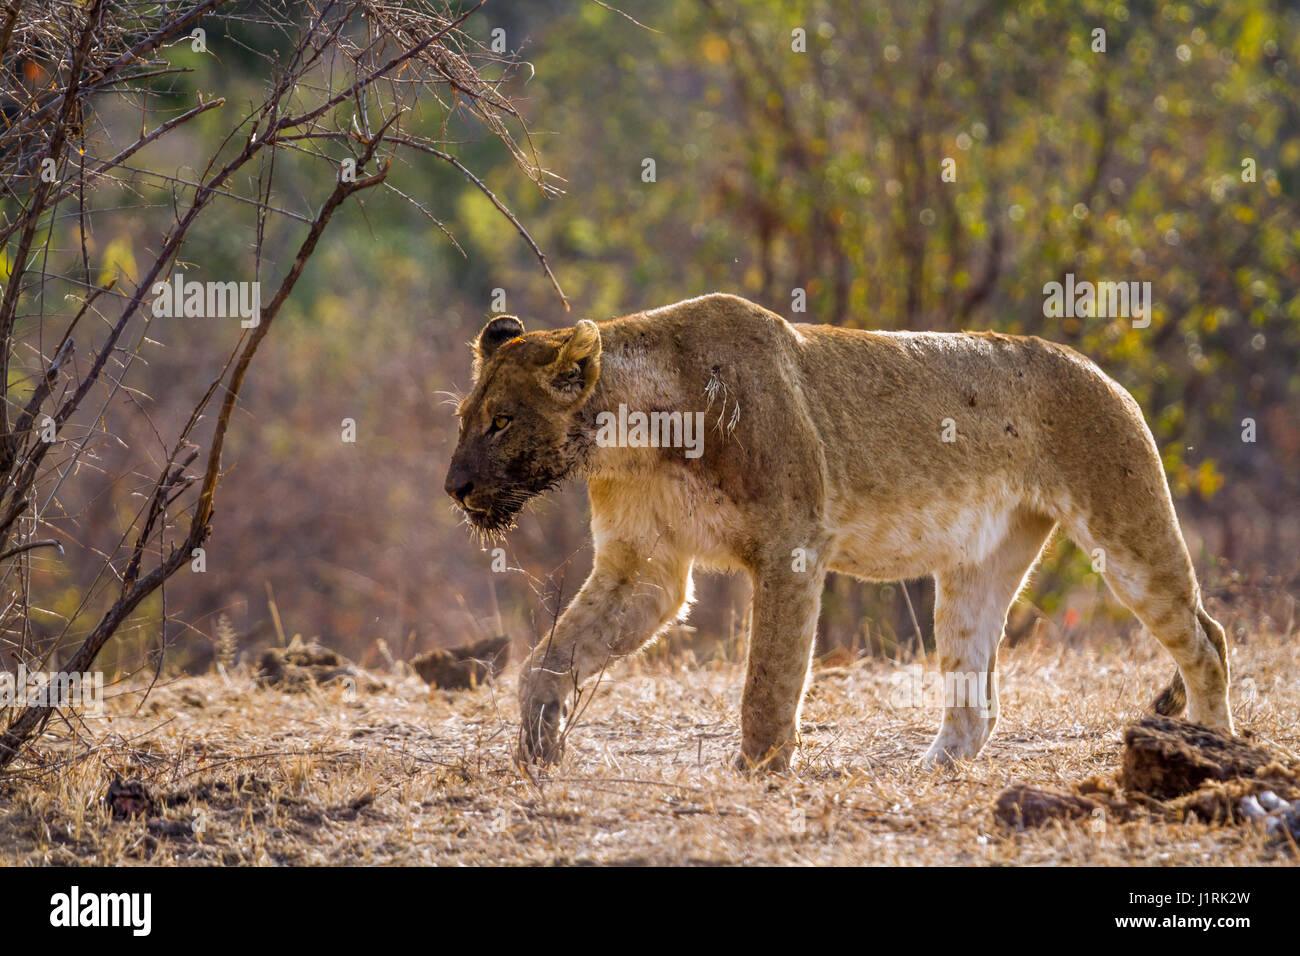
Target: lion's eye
499, 423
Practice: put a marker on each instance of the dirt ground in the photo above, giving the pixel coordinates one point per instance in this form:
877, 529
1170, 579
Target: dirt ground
239, 774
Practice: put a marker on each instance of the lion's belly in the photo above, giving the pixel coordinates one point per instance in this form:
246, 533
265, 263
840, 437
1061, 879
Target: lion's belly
892, 541
914, 533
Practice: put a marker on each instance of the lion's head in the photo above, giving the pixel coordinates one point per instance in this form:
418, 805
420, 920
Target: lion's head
522, 428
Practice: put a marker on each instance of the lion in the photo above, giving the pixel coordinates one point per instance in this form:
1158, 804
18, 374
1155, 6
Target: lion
881, 455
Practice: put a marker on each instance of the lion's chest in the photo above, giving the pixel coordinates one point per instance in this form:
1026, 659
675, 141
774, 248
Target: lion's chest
648, 505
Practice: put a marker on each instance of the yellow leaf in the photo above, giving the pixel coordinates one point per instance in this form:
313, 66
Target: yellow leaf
1208, 479
118, 261
715, 48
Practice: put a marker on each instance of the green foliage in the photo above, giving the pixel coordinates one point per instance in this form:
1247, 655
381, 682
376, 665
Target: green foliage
777, 170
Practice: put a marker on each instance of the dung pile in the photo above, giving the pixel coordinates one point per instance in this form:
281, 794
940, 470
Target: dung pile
1174, 771
463, 667
306, 664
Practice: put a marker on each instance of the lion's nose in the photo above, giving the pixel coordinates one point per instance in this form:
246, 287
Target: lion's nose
459, 488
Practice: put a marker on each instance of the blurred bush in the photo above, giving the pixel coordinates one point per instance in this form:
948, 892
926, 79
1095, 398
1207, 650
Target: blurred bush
776, 169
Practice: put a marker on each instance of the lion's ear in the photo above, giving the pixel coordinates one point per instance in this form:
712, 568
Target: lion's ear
495, 334
574, 372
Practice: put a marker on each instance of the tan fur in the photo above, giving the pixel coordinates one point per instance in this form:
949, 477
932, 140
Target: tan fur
826, 443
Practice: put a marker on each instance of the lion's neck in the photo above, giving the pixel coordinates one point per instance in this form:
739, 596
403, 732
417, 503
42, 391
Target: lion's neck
633, 377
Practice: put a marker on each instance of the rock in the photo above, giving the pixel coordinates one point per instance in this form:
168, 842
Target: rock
1278, 817
1284, 827
1270, 802
466, 666
1252, 809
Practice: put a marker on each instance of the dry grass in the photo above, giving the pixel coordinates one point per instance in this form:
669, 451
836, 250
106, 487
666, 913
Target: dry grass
407, 777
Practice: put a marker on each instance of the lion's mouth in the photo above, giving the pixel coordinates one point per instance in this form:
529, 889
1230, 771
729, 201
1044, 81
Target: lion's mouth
492, 520
494, 514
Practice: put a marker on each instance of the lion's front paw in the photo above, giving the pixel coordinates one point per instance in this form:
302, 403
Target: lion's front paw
771, 760
540, 739
937, 758
949, 748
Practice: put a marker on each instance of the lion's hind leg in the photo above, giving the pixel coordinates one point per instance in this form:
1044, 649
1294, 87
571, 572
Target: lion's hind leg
1194, 639
1146, 564
970, 612
1173, 699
